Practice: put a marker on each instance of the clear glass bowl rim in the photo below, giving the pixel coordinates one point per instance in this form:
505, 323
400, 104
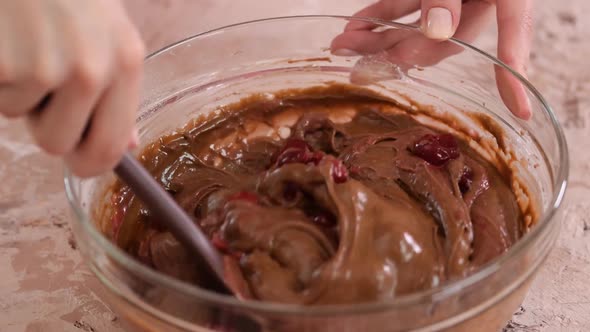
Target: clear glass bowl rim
433, 294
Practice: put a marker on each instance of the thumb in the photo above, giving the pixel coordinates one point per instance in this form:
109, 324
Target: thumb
440, 18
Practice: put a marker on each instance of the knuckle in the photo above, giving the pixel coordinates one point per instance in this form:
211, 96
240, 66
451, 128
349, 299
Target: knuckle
54, 141
47, 76
11, 113
93, 160
107, 153
6, 72
50, 145
513, 62
81, 167
89, 75
131, 55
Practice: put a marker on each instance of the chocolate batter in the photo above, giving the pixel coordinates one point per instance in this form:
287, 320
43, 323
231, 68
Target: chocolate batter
324, 196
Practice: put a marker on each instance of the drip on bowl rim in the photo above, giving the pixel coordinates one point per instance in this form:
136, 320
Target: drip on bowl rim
445, 290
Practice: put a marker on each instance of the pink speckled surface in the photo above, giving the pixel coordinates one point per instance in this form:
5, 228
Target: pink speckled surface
45, 286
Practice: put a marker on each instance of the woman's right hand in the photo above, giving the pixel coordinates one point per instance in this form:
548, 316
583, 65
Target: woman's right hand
73, 68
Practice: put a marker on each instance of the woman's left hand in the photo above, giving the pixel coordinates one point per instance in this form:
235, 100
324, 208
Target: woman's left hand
443, 19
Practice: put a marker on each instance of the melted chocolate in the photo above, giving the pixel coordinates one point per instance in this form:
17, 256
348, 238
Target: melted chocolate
323, 197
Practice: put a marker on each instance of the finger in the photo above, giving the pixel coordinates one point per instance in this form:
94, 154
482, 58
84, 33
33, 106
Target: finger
422, 51
385, 10
28, 70
357, 42
515, 26
358, 39
112, 129
31, 85
440, 18
18, 100
59, 127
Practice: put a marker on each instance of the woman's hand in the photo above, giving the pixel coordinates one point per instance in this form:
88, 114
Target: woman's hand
440, 20
73, 68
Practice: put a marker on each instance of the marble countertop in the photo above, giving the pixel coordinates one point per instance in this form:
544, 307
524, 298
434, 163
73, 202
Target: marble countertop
45, 285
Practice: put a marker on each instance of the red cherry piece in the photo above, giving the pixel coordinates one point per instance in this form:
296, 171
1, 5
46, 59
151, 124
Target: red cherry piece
355, 170
222, 245
296, 151
437, 150
298, 144
236, 254
291, 156
339, 171
219, 243
316, 157
448, 141
324, 219
244, 196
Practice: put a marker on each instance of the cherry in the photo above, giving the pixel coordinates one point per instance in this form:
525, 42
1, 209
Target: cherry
324, 219
466, 180
244, 196
295, 143
339, 171
436, 150
297, 151
294, 151
316, 157
355, 170
291, 156
236, 254
219, 243
222, 245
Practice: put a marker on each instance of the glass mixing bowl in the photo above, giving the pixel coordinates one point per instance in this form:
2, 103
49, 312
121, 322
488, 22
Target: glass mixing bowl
197, 75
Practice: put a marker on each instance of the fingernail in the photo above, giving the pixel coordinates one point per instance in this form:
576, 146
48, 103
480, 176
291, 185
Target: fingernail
525, 107
345, 52
439, 24
514, 94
